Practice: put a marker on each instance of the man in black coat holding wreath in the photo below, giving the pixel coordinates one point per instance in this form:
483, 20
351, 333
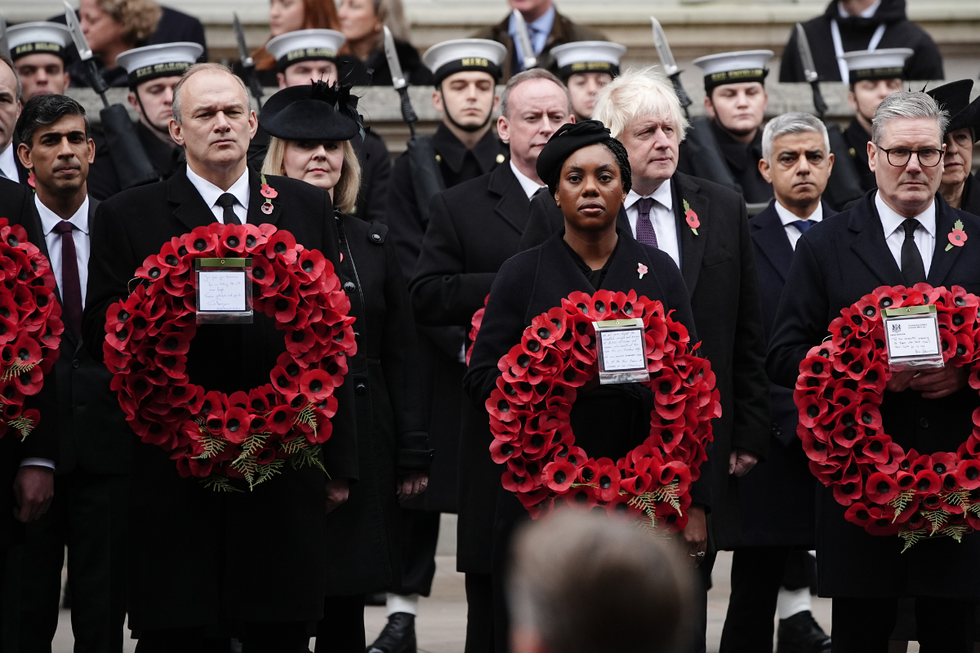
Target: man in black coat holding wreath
896, 236
205, 565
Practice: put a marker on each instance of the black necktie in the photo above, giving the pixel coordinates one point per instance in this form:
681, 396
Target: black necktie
912, 268
227, 201
802, 225
71, 288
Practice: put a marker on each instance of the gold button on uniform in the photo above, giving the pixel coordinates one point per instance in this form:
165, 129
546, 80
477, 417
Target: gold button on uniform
501, 158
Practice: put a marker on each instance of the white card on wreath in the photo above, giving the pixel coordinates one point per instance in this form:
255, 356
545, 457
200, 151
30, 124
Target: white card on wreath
221, 291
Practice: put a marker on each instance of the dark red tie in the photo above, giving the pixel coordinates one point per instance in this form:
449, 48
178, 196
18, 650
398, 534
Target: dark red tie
71, 288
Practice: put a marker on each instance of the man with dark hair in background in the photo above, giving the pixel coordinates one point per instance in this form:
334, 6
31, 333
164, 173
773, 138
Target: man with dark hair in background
39, 51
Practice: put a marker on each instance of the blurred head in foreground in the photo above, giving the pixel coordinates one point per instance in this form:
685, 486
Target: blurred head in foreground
583, 583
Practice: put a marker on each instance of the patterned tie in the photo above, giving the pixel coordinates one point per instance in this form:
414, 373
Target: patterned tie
802, 225
71, 288
912, 268
644, 227
227, 201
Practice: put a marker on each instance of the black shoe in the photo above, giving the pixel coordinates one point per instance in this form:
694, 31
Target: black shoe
801, 634
376, 598
397, 637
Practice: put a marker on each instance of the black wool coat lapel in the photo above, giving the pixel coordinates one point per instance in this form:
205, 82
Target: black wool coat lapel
691, 246
770, 237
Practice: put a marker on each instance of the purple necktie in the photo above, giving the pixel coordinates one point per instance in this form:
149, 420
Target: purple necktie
71, 288
644, 227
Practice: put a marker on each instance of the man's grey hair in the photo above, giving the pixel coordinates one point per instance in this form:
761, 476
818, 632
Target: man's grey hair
585, 583
795, 122
526, 76
190, 72
907, 104
639, 94
20, 85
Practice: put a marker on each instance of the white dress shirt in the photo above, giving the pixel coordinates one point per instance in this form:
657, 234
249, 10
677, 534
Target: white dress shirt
211, 193
81, 236
529, 185
925, 236
661, 216
8, 165
788, 218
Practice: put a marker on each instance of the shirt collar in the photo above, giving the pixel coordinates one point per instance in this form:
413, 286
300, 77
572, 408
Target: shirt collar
662, 195
788, 218
892, 221
867, 13
8, 164
210, 193
541, 25
49, 219
529, 186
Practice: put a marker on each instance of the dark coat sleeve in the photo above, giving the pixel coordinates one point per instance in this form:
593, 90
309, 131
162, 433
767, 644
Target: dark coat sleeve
375, 176
544, 220
111, 266
791, 68
443, 293
405, 227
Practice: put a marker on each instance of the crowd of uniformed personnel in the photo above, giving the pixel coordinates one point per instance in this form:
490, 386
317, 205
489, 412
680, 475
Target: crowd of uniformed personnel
417, 246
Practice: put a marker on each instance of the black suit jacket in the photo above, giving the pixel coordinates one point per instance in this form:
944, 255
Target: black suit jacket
836, 263
170, 514
719, 270
92, 433
473, 228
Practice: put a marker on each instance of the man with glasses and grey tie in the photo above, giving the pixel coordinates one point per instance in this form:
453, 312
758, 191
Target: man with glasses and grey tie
704, 228
895, 236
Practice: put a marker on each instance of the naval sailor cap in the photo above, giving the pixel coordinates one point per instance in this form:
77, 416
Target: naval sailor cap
162, 60
449, 57
734, 67
38, 38
588, 57
876, 64
305, 45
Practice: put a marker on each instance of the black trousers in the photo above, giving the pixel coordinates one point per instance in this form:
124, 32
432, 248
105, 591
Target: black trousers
291, 637
863, 625
419, 536
757, 575
342, 628
479, 614
88, 516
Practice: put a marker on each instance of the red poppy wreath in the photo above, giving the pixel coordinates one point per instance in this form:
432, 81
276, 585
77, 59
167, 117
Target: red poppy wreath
530, 407
245, 435
886, 489
30, 327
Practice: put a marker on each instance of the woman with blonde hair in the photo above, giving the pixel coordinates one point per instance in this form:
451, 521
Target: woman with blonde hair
311, 128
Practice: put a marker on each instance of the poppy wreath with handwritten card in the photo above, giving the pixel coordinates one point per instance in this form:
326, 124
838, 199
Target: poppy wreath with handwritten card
531, 404
887, 490
245, 435
30, 327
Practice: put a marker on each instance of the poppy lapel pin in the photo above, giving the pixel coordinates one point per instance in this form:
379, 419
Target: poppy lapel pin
957, 237
269, 193
691, 217
642, 269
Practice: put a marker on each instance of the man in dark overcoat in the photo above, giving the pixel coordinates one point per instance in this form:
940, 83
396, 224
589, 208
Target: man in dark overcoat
88, 513
772, 566
718, 268
463, 147
473, 228
204, 564
895, 236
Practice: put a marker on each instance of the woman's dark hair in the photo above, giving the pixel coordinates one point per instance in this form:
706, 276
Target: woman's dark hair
44, 110
572, 137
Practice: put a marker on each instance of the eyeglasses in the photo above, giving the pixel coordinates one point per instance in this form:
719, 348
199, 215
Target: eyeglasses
929, 157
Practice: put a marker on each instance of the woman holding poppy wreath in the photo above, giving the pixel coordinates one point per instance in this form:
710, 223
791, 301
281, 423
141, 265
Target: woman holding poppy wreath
588, 173
311, 128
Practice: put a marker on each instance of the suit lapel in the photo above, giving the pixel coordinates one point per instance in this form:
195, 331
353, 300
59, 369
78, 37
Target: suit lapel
190, 208
942, 260
513, 205
691, 246
869, 243
770, 235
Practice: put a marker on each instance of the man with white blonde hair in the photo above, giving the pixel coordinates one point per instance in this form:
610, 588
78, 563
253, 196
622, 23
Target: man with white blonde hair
704, 228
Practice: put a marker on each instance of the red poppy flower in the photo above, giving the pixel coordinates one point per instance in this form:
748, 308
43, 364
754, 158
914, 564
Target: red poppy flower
957, 237
559, 476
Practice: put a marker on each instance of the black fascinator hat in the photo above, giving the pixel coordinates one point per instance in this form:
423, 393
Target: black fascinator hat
317, 112
571, 137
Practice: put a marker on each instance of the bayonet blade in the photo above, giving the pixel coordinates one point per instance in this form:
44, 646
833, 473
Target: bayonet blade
398, 80
806, 58
524, 38
4, 45
243, 53
663, 48
81, 43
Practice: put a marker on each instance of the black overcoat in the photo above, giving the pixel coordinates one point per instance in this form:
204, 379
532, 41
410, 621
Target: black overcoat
719, 271
776, 500
856, 33
474, 227
363, 553
857, 143
970, 202
195, 554
836, 263
742, 160
439, 347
